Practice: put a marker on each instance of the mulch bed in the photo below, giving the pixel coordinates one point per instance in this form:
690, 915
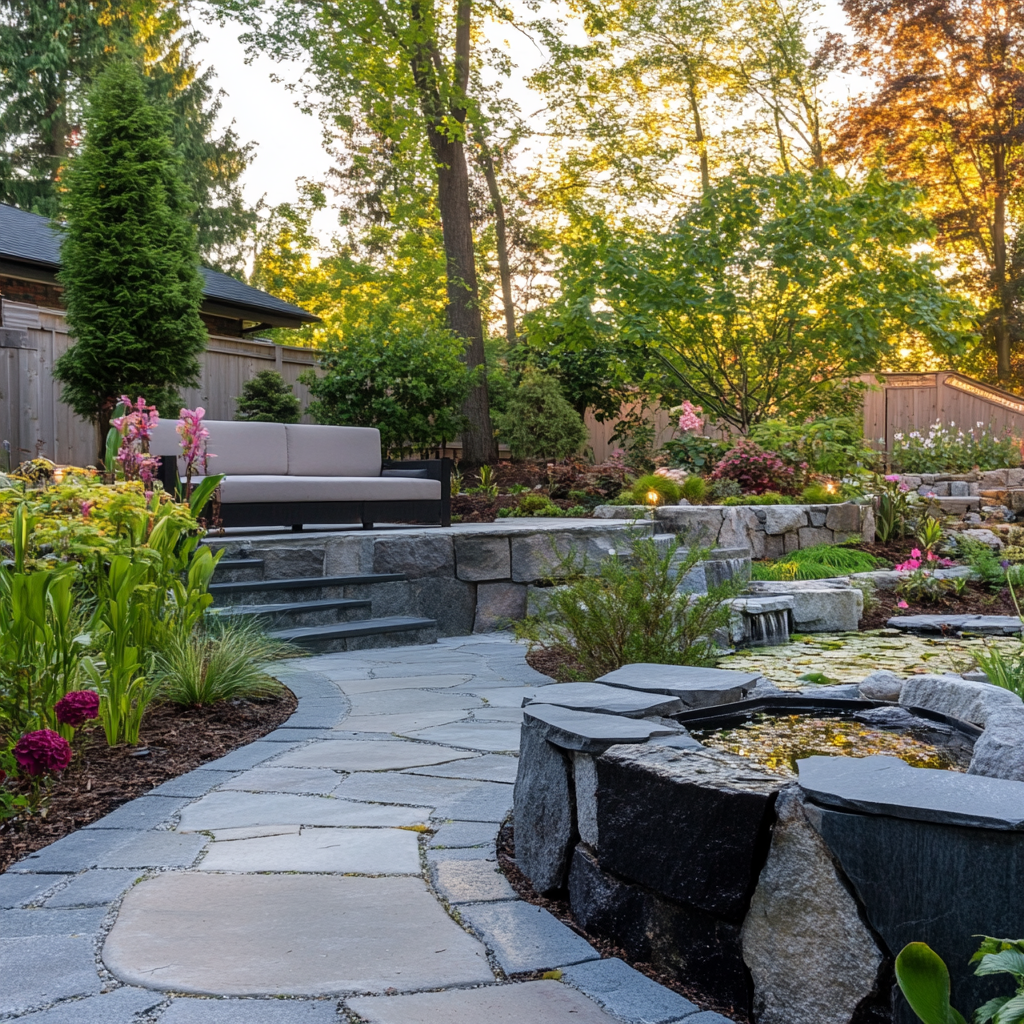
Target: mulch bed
977, 599
559, 907
479, 508
101, 778
554, 662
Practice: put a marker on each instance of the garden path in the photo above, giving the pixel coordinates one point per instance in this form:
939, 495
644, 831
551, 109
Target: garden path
350, 856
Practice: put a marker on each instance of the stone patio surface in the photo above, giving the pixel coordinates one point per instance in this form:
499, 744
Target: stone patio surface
343, 871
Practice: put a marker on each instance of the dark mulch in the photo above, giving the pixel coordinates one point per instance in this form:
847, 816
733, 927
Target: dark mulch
102, 778
977, 599
558, 905
479, 508
555, 662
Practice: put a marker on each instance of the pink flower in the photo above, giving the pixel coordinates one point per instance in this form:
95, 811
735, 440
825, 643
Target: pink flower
86, 508
193, 439
902, 604
893, 478
915, 553
690, 418
77, 707
136, 428
42, 751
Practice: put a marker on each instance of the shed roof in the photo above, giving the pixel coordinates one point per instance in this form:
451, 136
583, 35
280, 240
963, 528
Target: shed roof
29, 240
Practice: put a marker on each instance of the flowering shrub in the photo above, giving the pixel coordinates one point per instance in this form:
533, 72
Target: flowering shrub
951, 450
754, 469
42, 752
916, 559
135, 429
691, 450
77, 707
689, 416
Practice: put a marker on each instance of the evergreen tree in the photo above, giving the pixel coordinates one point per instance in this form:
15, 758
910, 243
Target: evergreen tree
268, 398
129, 264
50, 54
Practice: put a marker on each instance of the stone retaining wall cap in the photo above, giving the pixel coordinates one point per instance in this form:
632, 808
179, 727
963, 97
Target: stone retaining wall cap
580, 730
606, 700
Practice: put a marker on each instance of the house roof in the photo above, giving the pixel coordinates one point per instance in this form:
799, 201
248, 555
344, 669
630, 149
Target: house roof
32, 242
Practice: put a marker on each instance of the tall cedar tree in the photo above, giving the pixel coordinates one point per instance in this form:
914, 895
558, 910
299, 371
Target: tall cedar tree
948, 114
51, 53
130, 268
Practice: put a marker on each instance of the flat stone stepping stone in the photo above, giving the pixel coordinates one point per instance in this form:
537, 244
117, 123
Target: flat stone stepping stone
411, 701
463, 834
607, 700
531, 1003
248, 1011
489, 768
121, 1004
630, 995
505, 696
362, 851
314, 781
583, 730
247, 935
410, 682
41, 969
992, 625
492, 736
696, 687
471, 881
401, 723
880, 784
367, 755
240, 810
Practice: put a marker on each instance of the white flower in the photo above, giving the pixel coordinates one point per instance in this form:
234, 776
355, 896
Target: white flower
979, 424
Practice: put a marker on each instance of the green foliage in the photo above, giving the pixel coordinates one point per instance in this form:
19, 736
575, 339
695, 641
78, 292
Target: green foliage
530, 506
892, 508
833, 446
694, 489
1003, 667
768, 498
629, 611
667, 491
948, 450
488, 483
819, 562
822, 494
694, 452
220, 660
929, 534
410, 384
130, 268
722, 490
539, 422
923, 587
268, 398
984, 562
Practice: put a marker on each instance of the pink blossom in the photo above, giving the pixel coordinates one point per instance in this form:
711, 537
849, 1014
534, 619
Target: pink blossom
690, 418
42, 751
135, 428
194, 437
915, 553
893, 478
77, 707
86, 507
902, 604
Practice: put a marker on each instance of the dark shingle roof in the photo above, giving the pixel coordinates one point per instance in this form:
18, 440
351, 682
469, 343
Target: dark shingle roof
31, 239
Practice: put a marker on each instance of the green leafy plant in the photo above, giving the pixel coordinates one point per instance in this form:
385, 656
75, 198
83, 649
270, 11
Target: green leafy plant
457, 480
832, 446
220, 660
488, 483
516, 489
922, 586
694, 452
768, 498
929, 533
267, 398
694, 489
664, 490
539, 422
629, 610
819, 562
984, 562
822, 494
531, 505
754, 469
720, 490
892, 508
946, 449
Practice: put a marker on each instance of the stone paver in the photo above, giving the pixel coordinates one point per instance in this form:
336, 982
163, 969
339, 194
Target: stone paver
412, 701
414, 679
476, 736
40, 969
86, 921
75, 852
94, 888
471, 881
368, 755
366, 851
154, 850
144, 813
117, 1007
403, 723
627, 993
194, 783
534, 1002
250, 1011
313, 781
457, 834
289, 934
17, 890
487, 768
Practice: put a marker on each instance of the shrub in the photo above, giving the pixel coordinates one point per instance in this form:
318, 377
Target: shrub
539, 423
754, 469
630, 611
833, 446
221, 660
694, 489
768, 498
533, 505
950, 450
667, 490
267, 398
822, 494
820, 562
719, 490
694, 452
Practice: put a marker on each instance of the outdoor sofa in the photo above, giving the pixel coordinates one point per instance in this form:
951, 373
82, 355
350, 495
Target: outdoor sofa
291, 474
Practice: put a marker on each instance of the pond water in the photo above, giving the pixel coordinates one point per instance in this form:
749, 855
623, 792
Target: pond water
777, 742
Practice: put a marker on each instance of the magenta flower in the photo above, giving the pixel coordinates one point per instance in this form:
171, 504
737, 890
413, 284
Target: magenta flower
42, 751
86, 508
893, 478
902, 604
690, 418
915, 553
77, 707
136, 428
194, 437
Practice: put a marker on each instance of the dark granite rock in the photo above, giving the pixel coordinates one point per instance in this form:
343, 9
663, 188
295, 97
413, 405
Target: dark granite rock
888, 786
995, 625
606, 700
941, 884
701, 952
581, 730
544, 808
692, 825
695, 687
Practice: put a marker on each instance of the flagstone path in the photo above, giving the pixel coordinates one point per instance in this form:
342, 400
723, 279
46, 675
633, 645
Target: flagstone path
342, 868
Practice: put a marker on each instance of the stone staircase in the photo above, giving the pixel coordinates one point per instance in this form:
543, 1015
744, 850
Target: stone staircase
321, 613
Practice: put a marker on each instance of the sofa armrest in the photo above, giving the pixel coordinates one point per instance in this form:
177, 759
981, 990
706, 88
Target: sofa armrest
436, 469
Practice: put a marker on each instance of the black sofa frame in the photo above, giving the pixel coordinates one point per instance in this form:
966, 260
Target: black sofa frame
297, 514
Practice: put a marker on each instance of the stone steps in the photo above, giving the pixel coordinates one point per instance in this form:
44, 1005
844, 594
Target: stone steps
239, 570
392, 631
288, 614
294, 589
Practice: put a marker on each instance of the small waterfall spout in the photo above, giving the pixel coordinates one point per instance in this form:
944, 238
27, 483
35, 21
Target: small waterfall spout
767, 628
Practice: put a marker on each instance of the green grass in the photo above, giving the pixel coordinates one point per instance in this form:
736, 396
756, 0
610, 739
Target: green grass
820, 562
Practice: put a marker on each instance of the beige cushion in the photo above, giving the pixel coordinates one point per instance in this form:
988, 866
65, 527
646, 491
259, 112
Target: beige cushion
239, 448
315, 450
244, 489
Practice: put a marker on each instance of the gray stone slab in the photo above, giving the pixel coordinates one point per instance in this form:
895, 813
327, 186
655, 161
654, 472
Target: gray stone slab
463, 834
995, 625
401, 788
142, 813
959, 698
437, 677
582, 730
288, 734
14, 923
489, 768
409, 701
526, 938
119, 1006
511, 716
607, 700
41, 969
76, 852
488, 801
886, 785
536, 1002
491, 736
696, 687
501, 695
314, 781
242, 810
289, 935
365, 851
250, 1011
471, 881
488, 852
368, 755
157, 849
17, 890
631, 996
402, 723
94, 888
191, 784
246, 757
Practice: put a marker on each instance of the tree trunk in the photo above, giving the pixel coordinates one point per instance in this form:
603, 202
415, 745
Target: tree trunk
501, 237
698, 133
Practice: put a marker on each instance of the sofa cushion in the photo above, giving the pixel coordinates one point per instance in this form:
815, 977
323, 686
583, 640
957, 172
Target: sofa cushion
239, 448
315, 450
246, 489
